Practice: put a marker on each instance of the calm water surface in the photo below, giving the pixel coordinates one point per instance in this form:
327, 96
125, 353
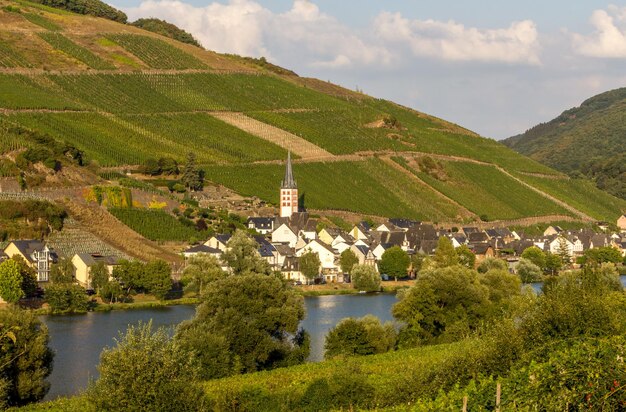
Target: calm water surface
79, 339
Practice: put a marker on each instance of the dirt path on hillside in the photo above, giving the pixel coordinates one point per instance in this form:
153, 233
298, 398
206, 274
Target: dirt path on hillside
298, 146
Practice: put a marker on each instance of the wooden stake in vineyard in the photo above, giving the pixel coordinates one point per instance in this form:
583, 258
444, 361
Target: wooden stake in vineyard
498, 393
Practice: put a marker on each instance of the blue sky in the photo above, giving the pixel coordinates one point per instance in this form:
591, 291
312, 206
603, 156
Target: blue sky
496, 67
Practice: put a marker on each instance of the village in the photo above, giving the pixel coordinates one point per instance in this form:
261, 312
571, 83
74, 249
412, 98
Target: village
284, 239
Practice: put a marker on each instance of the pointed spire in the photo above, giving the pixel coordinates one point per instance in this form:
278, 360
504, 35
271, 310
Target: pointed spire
288, 181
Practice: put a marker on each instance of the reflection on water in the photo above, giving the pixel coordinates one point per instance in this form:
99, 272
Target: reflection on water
324, 312
79, 339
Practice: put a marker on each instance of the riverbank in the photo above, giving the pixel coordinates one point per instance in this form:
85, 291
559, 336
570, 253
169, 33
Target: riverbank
139, 302
330, 289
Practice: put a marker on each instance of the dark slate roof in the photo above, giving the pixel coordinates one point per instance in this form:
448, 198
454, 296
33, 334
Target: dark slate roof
288, 181
421, 232
364, 226
91, 259
426, 246
261, 222
478, 237
479, 248
393, 238
285, 250
363, 249
403, 223
203, 249
291, 263
27, 247
471, 229
296, 222
224, 238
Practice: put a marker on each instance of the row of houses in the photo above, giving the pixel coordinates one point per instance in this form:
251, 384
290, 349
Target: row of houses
282, 240
40, 256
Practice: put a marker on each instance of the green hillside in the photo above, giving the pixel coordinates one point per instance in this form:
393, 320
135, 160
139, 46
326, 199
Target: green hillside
124, 96
589, 140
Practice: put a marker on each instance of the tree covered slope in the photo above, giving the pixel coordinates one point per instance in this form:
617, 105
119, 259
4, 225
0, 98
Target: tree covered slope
124, 96
588, 140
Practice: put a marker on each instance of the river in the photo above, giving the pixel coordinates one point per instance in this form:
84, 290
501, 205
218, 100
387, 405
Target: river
78, 339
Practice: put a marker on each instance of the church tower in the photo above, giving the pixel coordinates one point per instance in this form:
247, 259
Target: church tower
288, 192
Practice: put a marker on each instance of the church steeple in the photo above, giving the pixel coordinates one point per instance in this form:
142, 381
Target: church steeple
288, 181
288, 192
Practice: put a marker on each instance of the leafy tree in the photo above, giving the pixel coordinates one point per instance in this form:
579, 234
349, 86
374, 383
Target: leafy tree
445, 255
563, 251
62, 272
553, 263
503, 287
168, 166
309, 264
365, 336
536, 256
147, 371
528, 271
467, 258
597, 256
365, 277
29, 276
158, 278
99, 277
10, 281
491, 263
151, 167
25, 358
347, 260
256, 316
444, 304
130, 274
66, 297
112, 291
417, 262
192, 178
166, 29
200, 271
394, 262
242, 255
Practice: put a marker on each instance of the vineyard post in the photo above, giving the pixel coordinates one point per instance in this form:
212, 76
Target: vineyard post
465, 404
498, 392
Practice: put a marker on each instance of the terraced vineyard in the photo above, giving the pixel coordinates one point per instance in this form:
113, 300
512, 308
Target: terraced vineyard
157, 225
581, 194
62, 43
152, 97
490, 193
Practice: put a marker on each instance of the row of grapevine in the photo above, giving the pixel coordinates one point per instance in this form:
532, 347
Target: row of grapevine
131, 140
41, 21
364, 187
67, 46
158, 225
73, 240
25, 92
486, 191
156, 53
10, 57
578, 193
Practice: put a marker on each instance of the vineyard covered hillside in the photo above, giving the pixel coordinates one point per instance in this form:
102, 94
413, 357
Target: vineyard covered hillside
124, 96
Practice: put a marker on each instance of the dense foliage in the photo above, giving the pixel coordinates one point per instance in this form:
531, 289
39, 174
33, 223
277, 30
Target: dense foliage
246, 323
146, 370
590, 141
365, 336
365, 278
92, 7
166, 29
25, 358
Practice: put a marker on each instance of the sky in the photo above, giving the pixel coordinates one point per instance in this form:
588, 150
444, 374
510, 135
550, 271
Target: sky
497, 67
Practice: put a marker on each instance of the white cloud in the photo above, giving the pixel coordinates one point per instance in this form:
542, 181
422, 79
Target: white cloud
304, 36
247, 28
453, 41
609, 38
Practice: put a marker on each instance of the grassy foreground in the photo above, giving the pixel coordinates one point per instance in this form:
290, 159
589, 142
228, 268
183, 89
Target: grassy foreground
395, 379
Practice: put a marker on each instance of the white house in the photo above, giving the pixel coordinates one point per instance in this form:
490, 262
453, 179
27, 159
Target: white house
621, 223
284, 234
218, 242
555, 245
327, 258
359, 231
